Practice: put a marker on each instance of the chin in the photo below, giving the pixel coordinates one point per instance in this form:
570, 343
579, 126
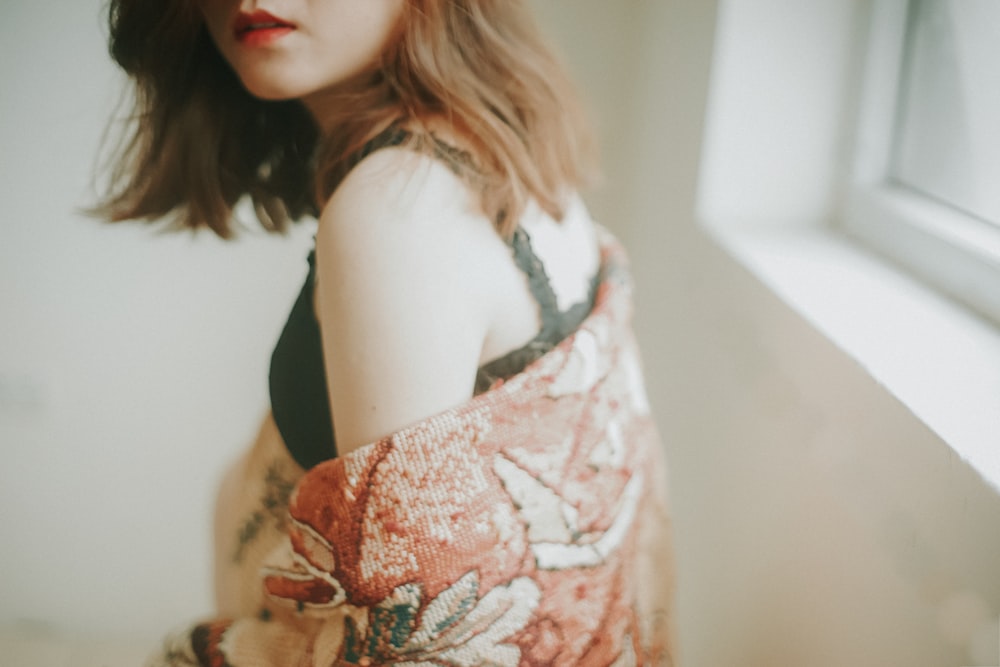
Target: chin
270, 92
272, 88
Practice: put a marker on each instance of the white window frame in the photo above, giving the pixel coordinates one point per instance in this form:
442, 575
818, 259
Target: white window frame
946, 248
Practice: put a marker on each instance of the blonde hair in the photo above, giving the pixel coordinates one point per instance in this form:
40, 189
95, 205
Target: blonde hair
199, 141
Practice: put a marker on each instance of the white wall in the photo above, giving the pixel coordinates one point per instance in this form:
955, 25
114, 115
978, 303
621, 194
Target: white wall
131, 366
817, 521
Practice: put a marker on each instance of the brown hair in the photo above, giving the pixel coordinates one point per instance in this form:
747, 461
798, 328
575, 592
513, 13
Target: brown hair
198, 141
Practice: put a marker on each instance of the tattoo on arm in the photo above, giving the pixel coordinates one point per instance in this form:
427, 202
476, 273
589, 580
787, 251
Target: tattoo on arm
271, 509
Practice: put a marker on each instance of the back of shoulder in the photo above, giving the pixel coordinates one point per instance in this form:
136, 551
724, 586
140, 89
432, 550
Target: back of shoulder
401, 192
405, 219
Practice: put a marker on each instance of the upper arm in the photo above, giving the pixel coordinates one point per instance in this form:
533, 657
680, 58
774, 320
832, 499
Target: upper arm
399, 295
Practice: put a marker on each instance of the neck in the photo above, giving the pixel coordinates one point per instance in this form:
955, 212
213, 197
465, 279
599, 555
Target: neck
331, 106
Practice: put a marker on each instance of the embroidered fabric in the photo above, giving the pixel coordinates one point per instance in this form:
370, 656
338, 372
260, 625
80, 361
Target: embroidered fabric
297, 380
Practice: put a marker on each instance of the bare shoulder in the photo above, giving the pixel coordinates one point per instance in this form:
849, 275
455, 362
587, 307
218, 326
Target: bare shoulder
403, 293
400, 189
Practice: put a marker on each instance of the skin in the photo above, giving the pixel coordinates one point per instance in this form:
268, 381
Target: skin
333, 40
415, 289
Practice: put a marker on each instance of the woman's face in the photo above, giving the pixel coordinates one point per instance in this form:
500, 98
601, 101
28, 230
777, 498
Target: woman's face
297, 49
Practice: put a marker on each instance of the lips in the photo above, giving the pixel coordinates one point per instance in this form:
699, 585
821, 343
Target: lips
260, 27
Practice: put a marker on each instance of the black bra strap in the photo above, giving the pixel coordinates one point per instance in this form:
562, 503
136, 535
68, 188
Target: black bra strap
538, 279
393, 135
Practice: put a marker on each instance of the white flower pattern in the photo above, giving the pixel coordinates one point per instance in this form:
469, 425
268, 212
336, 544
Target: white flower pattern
455, 629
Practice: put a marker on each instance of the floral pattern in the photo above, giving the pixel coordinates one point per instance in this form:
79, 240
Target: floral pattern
455, 629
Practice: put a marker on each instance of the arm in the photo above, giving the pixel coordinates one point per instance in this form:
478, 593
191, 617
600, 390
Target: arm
404, 294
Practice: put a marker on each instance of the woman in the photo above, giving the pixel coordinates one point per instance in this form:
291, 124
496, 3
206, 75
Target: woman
460, 468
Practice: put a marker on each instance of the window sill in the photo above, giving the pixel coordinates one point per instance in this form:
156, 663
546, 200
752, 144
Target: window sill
939, 360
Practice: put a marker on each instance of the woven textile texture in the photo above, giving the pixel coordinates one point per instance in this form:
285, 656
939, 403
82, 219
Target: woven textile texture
527, 526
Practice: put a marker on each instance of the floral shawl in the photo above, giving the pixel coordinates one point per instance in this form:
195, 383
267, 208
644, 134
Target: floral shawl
527, 526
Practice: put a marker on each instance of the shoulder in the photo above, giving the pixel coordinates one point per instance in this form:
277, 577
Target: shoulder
396, 198
402, 232
403, 293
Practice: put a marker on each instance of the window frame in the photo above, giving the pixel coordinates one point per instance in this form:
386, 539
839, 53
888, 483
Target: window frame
942, 246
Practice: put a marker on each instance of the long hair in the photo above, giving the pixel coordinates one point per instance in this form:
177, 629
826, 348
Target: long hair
198, 142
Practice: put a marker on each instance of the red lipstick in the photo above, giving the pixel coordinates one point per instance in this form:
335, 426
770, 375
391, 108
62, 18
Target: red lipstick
260, 28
